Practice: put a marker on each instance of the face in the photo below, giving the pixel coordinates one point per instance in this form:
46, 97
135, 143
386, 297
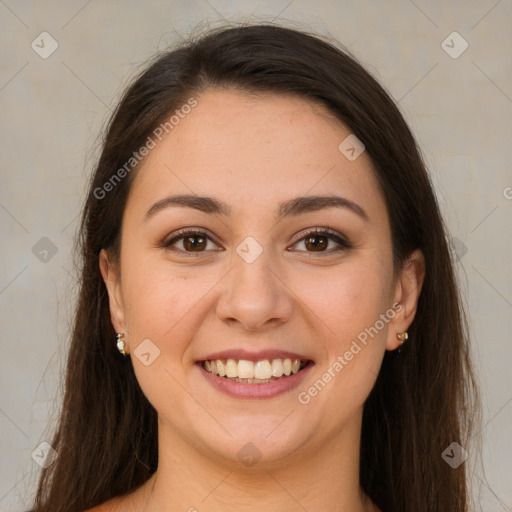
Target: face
221, 259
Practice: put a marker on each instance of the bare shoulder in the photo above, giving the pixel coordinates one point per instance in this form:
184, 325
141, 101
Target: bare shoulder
100, 508
108, 506
122, 503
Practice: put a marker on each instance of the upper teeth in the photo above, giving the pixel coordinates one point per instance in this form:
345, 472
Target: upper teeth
245, 369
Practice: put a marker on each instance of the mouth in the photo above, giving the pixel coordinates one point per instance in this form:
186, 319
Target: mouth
262, 371
247, 375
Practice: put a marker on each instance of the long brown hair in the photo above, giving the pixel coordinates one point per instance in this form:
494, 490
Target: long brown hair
424, 398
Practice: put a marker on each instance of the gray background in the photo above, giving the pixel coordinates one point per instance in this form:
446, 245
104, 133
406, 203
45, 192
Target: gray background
52, 111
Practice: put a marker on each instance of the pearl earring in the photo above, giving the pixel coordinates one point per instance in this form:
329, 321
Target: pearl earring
121, 344
402, 336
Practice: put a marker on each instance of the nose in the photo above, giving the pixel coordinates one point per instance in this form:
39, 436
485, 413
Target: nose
254, 298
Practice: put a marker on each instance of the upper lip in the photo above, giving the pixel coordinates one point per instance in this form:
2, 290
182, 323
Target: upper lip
254, 356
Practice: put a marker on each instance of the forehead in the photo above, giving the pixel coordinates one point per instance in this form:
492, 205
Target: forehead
256, 147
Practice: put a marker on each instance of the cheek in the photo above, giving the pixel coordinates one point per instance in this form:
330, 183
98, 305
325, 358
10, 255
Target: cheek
350, 302
163, 302
350, 299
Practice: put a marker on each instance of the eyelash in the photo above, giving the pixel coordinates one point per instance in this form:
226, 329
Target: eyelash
343, 244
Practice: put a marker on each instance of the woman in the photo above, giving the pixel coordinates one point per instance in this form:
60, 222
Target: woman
268, 315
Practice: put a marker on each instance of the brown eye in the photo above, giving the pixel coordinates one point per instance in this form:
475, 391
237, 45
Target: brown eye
316, 243
194, 243
191, 241
323, 241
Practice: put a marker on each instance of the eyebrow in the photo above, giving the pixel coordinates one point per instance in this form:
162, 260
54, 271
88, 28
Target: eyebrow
292, 207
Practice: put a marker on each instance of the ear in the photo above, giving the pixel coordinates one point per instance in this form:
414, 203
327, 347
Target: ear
407, 292
110, 274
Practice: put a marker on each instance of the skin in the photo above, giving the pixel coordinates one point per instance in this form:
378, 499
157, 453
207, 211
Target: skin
253, 152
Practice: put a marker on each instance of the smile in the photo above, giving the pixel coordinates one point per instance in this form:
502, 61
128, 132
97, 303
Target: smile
254, 372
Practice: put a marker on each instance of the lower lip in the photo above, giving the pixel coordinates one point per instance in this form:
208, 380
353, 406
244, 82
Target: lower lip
256, 391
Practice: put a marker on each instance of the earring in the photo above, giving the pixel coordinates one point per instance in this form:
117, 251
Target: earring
121, 344
402, 336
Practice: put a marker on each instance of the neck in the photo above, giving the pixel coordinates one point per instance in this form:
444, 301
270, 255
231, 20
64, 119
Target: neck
313, 477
